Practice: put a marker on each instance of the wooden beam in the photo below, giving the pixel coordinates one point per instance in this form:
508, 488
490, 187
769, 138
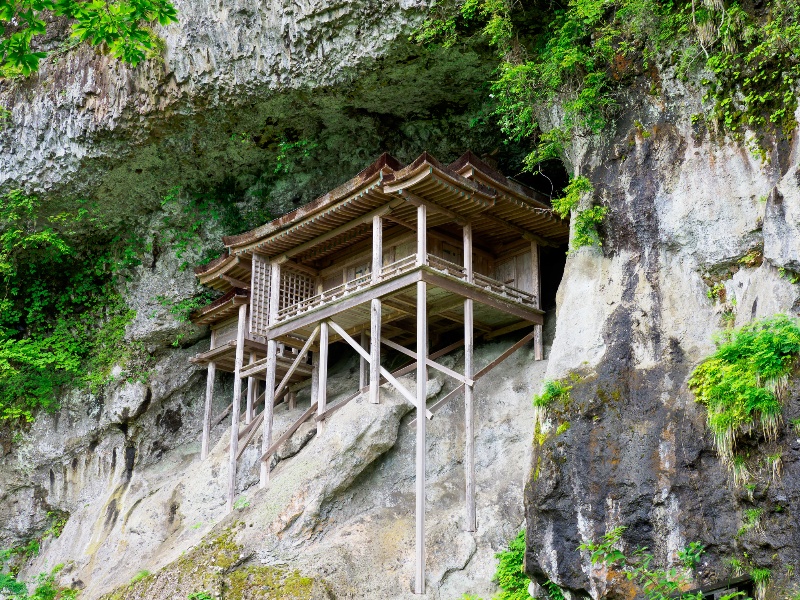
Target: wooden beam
251, 382
456, 318
375, 351
383, 210
377, 248
269, 407
237, 283
507, 329
237, 400
469, 420
212, 370
422, 235
422, 389
527, 235
429, 362
322, 392
468, 271
297, 361
405, 224
288, 433
389, 377
363, 370
419, 201
326, 311
485, 370
534, 315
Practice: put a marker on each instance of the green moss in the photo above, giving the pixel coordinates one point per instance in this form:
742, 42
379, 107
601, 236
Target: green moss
742, 383
215, 566
266, 583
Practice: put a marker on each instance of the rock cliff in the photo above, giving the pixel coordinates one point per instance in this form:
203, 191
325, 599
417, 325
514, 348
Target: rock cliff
237, 83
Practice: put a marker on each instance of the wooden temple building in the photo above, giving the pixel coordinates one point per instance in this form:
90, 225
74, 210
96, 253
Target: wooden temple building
399, 257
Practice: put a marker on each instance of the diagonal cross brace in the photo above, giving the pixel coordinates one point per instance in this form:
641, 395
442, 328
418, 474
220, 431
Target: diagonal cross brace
428, 362
386, 374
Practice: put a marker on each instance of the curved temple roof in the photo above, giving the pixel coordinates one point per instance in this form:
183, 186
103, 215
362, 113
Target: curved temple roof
468, 190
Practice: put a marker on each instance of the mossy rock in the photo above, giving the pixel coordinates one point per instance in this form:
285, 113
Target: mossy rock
216, 566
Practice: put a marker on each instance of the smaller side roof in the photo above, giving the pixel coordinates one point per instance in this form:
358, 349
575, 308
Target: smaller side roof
222, 308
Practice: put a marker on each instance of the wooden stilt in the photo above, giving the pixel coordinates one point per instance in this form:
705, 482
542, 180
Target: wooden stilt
269, 407
272, 366
292, 400
375, 352
363, 364
212, 371
538, 341
322, 384
251, 384
469, 408
422, 388
377, 248
237, 400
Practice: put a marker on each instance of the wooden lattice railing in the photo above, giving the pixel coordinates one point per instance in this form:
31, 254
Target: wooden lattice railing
397, 268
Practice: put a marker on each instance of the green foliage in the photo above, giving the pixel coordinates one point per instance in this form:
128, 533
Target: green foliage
62, 319
761, 579
200, 596
655, 583
509, 574
552, 391
291, 153
140, 575
743, 382
241, 503
572, 59
576, 188
122, 27
182, 309
751, 521
690, 556
45, 587
585, 227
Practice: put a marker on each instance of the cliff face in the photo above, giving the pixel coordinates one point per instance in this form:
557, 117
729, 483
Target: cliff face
686, 212
236, 85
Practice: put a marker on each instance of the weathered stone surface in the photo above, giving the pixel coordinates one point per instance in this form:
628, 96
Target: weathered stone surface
634, 319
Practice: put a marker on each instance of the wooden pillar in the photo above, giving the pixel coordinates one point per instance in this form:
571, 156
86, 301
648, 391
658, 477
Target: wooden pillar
377, 248
469, 408
422, 388
212, 371
536, 285
375, 352
422, 235
251, 390
269, 408
322, 391
272, 366
362, 363
235, 409
314, 378
291, 398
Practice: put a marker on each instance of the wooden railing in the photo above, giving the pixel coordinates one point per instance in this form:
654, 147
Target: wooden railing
399, 267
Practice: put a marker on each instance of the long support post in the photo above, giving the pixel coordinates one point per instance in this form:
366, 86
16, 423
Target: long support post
322, 391
538, 342
237, 400
377, 248
375, 352
251, 391
422, 389
272, 367
212, 371
469, 407
269, 407
363, 365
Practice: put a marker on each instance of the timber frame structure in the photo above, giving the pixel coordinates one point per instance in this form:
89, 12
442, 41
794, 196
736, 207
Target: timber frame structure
398, 256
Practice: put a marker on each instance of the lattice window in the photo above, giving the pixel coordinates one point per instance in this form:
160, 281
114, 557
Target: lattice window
259, 296
296, 286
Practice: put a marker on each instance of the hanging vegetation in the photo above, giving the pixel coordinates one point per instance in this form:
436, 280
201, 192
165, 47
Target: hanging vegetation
743, 383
